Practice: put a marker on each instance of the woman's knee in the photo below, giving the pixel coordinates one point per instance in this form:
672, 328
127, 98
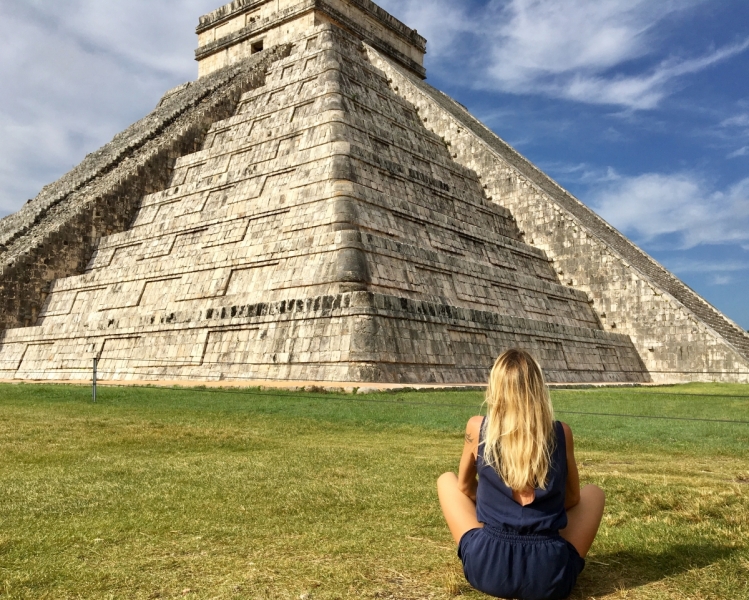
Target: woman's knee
447, 480
594, 493
594, 498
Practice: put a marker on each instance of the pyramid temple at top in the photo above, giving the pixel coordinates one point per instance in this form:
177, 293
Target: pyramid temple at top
310, 209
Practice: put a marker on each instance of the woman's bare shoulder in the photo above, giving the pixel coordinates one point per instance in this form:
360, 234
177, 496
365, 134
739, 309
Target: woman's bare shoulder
475, 422
473, 427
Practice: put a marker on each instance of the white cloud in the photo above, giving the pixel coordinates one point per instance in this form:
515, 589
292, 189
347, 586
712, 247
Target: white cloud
739, 121
641, 91
582, 173
722, 272
656, 207
573, 49
737, 127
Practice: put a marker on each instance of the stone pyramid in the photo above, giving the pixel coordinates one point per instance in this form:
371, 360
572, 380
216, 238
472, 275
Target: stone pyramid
311, 210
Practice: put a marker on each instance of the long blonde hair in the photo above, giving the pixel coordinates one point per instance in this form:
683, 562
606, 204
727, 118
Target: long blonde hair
519, 427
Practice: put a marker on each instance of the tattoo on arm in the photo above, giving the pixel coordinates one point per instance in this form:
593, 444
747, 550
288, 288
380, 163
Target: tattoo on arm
469, 438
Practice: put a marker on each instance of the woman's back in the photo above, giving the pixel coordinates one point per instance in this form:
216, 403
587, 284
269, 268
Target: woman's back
496, 506
524, 527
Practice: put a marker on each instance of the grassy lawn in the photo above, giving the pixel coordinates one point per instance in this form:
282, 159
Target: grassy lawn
155, 493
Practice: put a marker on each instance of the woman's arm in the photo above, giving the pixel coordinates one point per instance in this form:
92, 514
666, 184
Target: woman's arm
467, 482
572, 494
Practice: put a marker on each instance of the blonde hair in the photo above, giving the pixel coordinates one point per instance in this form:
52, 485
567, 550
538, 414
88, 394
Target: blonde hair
519, 426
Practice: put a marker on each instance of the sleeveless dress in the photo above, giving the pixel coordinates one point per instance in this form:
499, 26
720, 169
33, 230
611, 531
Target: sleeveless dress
519, 553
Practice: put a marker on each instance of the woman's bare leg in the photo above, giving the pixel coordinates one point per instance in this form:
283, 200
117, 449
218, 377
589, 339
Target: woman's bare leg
584, 519
459, 509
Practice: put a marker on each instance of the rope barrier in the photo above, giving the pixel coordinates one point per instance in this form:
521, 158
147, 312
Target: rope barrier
365, 400
86, 374
659, 417
361, 399
647, 393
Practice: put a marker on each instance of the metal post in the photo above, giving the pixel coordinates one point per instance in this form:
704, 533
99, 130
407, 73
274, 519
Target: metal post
93, 391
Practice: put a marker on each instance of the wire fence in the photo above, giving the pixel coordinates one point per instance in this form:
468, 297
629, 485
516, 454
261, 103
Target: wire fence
632, 390
143, 372
93, 375
368, 399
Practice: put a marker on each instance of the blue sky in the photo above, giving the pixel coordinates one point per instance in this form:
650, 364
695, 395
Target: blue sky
639, 107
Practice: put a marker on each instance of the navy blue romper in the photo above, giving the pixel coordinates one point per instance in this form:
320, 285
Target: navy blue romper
519, 552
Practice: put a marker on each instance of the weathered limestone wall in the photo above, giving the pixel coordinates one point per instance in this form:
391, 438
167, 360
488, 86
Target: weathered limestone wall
347, 337
226, 37
679, 336
233, 31
55, 234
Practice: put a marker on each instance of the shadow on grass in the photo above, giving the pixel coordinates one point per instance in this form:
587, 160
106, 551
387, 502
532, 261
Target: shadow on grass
611, 572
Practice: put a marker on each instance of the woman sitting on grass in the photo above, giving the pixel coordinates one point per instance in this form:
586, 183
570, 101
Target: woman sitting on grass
524, 528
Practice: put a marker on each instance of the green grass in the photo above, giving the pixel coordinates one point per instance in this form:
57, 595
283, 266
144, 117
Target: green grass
155, 493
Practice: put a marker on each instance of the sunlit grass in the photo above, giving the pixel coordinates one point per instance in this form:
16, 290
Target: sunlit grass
245, 494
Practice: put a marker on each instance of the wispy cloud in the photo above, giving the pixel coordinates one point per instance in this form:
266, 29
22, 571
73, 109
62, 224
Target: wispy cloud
680, 210
737, 122
582, 173
641, 91
718, 272
708, 266
580, 50
736, 128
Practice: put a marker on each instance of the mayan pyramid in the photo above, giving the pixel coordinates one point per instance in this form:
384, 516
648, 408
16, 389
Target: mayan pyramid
311, 210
